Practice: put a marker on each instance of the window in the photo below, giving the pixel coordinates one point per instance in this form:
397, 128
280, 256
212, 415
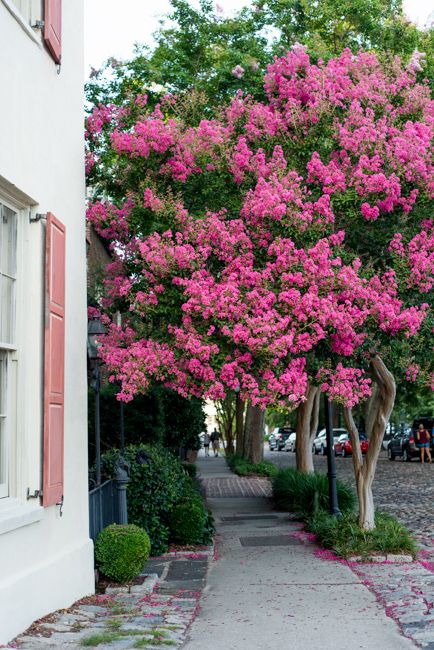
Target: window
8, 263
27, 12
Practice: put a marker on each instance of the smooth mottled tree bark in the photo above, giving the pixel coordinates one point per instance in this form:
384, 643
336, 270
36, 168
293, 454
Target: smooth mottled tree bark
379, 409
254, 434
307, 423
226, 418
239, 424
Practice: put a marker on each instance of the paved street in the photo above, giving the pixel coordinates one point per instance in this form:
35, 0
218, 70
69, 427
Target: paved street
406, 490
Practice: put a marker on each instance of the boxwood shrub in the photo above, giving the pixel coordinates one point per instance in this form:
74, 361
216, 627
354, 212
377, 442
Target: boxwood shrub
187, 522
121, 551
157, 483
306, 493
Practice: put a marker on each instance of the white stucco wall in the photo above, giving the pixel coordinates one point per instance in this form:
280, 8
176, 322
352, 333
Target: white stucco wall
46, 561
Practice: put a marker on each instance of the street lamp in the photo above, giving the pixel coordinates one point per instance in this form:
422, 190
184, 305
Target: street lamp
331, 463
95, 329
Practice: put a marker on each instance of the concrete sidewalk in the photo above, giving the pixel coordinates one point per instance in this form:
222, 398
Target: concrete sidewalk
268, 590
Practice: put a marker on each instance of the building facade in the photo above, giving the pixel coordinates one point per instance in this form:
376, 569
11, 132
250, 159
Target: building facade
46, 557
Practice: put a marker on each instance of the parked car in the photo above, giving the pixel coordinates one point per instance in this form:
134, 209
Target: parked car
343, 445
282, 436
272, 441
290, 442
388, 436
404, 446
320, 443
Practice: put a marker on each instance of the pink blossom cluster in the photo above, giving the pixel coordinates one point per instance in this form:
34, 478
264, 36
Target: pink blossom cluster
418, 255
346, 386
412, 372
249, 328
99, 116
246, 300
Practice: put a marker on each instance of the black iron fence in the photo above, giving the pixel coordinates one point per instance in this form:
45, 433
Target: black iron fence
103, 507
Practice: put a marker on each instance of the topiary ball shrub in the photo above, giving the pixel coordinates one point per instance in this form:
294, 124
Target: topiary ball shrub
121, 551
187, 522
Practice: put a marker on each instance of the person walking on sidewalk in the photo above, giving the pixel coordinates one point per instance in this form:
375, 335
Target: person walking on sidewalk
206, 443
423, 442
215, 439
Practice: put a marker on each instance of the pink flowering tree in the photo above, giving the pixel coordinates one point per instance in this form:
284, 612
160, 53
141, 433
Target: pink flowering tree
278, 249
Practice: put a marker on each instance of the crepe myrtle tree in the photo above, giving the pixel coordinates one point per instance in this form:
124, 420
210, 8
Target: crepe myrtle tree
280, 249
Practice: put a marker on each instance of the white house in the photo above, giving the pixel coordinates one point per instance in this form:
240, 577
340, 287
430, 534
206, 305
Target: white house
46, 557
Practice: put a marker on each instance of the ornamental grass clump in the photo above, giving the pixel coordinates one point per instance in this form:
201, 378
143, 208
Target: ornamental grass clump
306, 493
121, 551
344, 536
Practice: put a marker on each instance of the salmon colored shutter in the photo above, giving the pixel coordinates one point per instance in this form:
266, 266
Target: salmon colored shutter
53, 28
54, 361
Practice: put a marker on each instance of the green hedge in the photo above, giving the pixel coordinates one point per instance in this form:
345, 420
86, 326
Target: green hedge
187, 522
121, 551
243, 467
307, 493
157, 484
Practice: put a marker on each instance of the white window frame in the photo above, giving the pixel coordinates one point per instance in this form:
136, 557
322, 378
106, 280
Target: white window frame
7, 355
4, 437
26, 16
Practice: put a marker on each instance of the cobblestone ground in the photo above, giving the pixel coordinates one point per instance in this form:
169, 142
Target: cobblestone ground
405, 490
156, 613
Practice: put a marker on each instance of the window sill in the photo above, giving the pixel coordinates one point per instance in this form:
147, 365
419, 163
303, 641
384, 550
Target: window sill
14, 514
21, 20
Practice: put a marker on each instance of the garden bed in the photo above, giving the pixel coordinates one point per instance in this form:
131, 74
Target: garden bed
306, 495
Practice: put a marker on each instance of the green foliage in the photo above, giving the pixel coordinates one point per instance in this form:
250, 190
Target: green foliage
159, 417
190, 468
307, 493
328, 26
344, 536
184, 419
121, 551
198, 47
209, 528
157, 484
187, 522
197, 521
280, 418
243, 467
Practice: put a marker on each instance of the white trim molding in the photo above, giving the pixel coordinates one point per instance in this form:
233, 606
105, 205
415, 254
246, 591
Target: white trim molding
15, 12
11, 192
14, 514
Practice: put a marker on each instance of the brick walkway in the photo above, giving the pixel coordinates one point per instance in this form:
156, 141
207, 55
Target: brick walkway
236, 487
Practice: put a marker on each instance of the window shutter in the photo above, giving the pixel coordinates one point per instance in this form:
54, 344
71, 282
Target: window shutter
54, 361
53, 28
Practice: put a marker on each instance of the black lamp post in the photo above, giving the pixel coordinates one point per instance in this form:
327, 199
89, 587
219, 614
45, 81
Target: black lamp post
95, 330
331, 463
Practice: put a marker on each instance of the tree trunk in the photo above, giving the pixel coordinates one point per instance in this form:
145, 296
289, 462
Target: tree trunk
254, 434
239, 425
230, 449
380, 407
225, 419
307, 423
